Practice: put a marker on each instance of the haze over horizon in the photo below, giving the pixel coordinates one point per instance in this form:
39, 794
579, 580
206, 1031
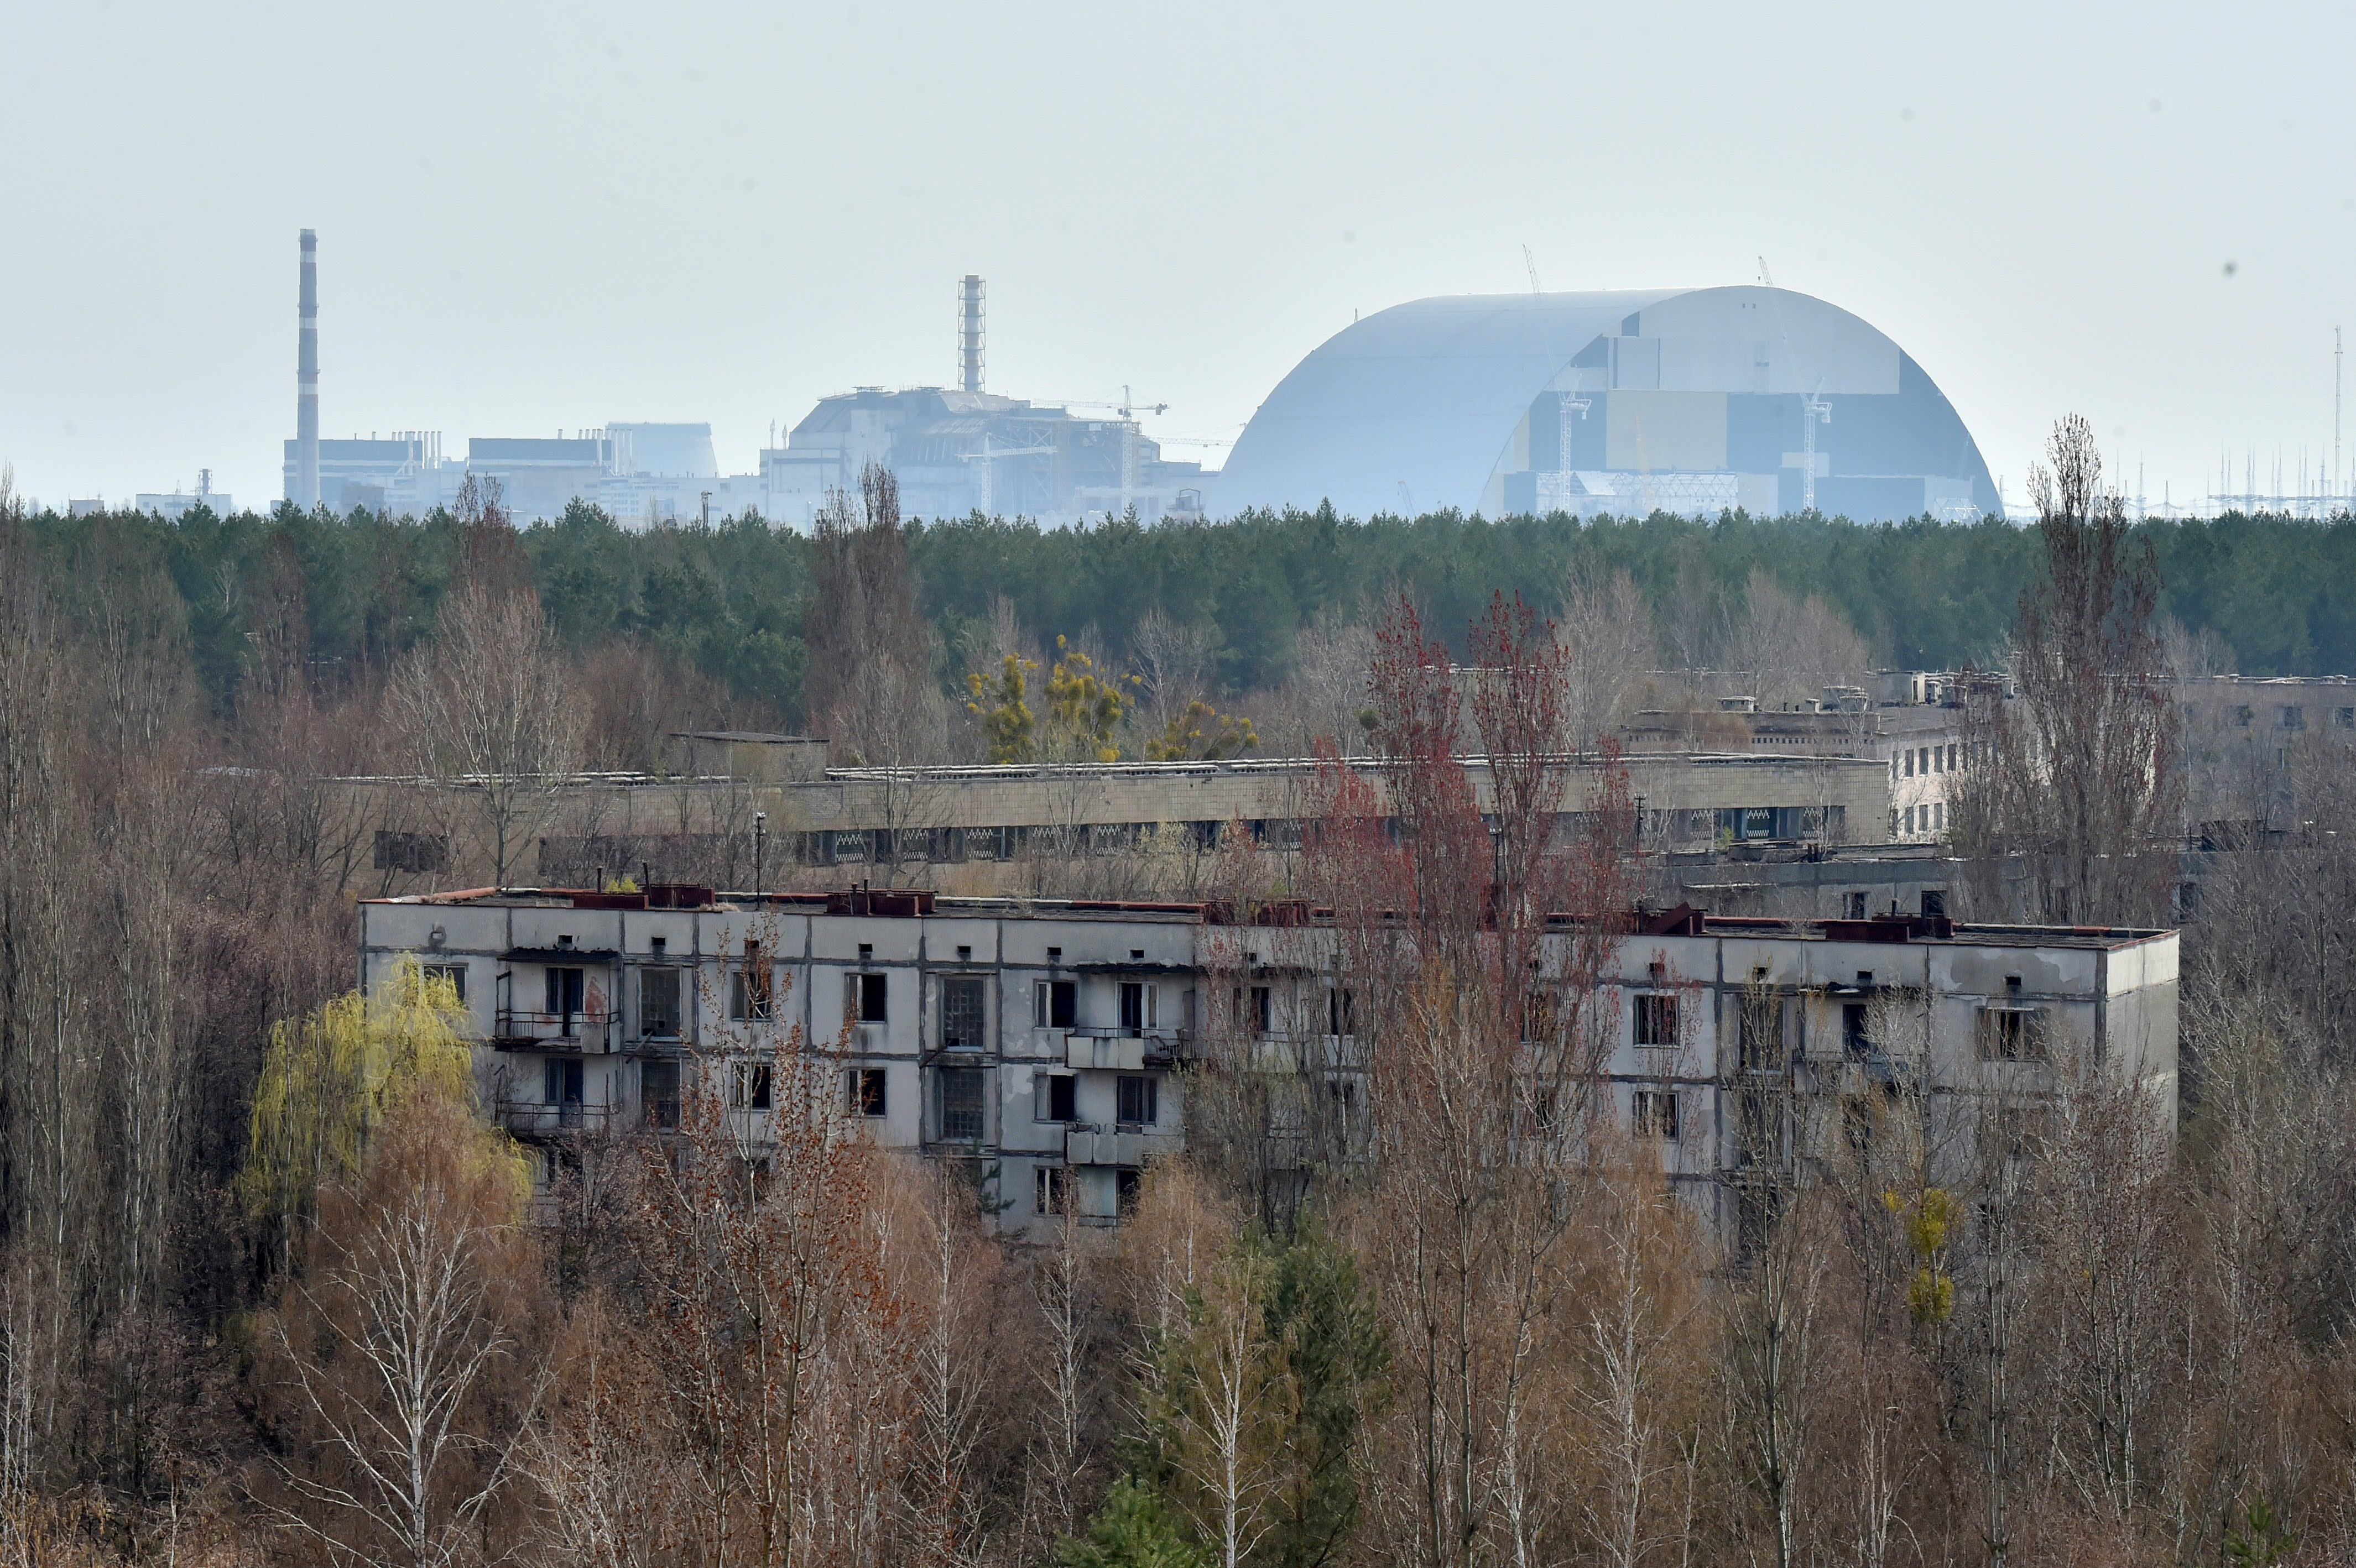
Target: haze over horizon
547, 218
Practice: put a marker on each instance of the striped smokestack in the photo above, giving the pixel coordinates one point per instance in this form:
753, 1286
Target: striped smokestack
304, 491
969, 334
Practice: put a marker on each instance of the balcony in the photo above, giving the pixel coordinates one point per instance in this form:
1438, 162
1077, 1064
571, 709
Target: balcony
1118, 1051
1086, 1145
534, 1119
593, 1032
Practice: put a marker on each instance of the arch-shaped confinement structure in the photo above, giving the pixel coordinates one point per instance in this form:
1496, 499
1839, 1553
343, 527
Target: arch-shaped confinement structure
1624, 403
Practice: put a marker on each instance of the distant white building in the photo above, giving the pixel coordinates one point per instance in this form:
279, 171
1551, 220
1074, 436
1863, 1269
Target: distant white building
642, 475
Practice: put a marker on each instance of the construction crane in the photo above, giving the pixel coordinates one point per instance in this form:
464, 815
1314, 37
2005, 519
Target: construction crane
988, 457
1129, 408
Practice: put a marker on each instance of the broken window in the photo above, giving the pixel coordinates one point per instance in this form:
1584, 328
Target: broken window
748, 1088
865, 1089
964, 1023
2010, 1034
1051, 1189
1856, 1039
1341, 1011
1141, 1007
1656, 1021
454, 975
659, 1089
1140, 1101
658, 1002
961, 1104
561, 1083
1055, 1097
1054, 1003
749, 993
1857, 906
2294, 717
1655, 1115
1126, 1186
864, 998
1263, 1009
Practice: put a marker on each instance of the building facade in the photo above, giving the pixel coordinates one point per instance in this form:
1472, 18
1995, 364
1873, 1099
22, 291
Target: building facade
1047, 1044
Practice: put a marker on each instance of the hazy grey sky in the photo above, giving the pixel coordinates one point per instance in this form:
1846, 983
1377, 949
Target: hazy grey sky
536, 217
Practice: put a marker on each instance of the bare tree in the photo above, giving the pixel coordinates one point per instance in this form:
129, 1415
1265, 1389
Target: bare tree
1608, 644
488, 710
414, 1306
1785, 647
2077, 778
1173, 663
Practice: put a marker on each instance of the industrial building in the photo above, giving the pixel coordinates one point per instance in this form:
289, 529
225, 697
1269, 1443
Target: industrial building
959, 451
1691, 401
1044, 1043
954, 451
641, 473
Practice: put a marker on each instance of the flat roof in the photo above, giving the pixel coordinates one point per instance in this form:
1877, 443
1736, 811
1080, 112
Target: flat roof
915, 904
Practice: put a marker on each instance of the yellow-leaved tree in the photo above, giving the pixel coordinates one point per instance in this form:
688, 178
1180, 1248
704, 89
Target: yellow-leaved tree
1202, 733
328, 1080
1084, 710
1003, 705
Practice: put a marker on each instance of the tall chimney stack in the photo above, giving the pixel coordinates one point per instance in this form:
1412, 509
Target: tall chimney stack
969, 336
304, 491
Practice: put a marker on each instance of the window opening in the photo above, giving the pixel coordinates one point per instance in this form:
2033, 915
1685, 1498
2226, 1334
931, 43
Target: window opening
1140, 1101
866, 1091
1054, 1003
963, 1023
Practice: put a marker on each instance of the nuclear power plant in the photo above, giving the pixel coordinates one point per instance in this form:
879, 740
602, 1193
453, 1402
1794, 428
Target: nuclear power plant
1691, 401
1685, 400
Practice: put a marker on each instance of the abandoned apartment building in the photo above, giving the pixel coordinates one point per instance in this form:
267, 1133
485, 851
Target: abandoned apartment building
1047, 1041
1909, 721
787, 819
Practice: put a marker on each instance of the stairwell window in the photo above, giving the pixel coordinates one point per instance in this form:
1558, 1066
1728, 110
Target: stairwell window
961, 1114
658, 1003
964, 1013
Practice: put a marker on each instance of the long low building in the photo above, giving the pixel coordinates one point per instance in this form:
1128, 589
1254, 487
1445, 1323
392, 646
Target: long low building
984, 829
1047, 1041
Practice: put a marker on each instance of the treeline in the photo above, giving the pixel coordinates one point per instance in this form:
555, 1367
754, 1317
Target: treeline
731, 602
